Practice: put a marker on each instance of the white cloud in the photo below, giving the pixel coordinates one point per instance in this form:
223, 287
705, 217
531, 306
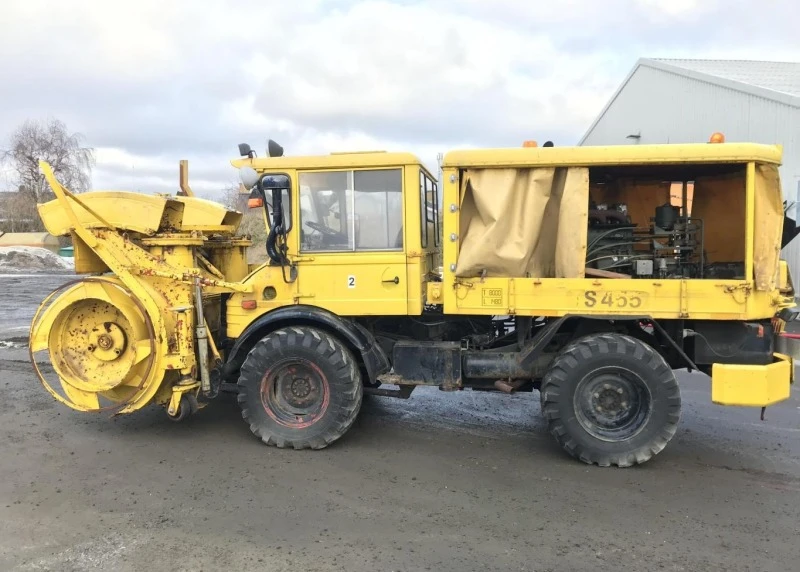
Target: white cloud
152, 82
678, 9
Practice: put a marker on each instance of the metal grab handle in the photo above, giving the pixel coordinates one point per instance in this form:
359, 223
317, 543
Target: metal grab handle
394, 280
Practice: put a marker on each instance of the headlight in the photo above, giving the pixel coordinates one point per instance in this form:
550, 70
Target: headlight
248, 176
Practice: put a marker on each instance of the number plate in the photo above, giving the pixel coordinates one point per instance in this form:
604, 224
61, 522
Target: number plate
605, 300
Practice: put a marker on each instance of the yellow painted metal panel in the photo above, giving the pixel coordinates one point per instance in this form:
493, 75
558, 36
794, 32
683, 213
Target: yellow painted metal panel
752, 385
123, 210
615, 155
86, 259
270, 292
451, 202
700, 299
356, 284
416, 286
749, 220
199, 213
333, 161
230, 258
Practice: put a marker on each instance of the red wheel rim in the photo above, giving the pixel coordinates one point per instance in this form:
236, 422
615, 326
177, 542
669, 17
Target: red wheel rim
295, 393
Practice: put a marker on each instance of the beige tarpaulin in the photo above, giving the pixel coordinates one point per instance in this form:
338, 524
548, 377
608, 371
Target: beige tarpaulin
768, 226
524, 222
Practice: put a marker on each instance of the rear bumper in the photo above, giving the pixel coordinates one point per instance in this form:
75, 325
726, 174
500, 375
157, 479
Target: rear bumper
752, 385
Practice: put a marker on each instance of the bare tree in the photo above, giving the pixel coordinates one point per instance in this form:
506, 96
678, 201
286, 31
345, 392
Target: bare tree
50, 141
17, 214
231, 196
252, 224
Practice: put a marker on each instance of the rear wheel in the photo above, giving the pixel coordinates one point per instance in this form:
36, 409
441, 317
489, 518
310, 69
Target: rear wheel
610, 399
299, 387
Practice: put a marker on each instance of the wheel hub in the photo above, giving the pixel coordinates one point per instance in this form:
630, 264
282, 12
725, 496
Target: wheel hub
300, 388
299, 392
612, 404
610, 400
106, 341
295, 393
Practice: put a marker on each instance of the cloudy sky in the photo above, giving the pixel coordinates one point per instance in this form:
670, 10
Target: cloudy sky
149, 82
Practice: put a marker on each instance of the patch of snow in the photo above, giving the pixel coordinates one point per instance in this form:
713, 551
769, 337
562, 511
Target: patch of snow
32, 258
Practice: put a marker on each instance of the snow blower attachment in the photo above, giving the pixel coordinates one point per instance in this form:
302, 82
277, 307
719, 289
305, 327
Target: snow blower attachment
126, 335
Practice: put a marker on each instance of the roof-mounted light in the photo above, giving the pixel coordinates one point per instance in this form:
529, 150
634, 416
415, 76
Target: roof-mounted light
717, 137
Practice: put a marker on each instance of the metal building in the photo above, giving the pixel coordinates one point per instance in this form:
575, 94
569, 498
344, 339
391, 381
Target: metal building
685, 101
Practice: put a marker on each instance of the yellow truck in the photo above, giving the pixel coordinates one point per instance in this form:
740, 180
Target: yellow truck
588, 274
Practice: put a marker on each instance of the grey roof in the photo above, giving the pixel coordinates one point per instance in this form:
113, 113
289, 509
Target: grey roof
778, 81
782, 77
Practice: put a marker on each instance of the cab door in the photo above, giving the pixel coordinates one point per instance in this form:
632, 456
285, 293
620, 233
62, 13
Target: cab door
352, 246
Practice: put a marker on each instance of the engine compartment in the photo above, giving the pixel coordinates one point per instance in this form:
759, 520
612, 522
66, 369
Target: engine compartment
666, 223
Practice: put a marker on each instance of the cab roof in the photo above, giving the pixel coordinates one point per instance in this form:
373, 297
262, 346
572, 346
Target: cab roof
351, 160
684, 153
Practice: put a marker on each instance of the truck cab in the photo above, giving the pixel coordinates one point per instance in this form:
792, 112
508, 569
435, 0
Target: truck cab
357, 233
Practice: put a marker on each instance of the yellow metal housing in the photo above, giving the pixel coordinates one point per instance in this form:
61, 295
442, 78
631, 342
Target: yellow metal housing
716, 299
752, 385
614, 155
118, 342
101, 344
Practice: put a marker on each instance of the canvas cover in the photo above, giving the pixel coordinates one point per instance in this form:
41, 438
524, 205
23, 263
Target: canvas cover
524, 222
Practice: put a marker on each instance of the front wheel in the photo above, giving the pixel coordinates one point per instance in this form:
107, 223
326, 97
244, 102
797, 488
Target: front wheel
610, 399
299, 387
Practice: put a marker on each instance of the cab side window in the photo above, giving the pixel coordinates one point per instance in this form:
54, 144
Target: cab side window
379, 209
346, 211
429, 216
326, 199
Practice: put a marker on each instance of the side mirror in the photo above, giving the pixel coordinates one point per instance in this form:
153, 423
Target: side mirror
274, 188
273, 182
245, 150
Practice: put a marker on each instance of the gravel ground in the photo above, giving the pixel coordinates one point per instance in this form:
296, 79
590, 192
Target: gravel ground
465, 481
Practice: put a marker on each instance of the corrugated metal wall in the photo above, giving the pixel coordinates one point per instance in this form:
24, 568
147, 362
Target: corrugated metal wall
666, 107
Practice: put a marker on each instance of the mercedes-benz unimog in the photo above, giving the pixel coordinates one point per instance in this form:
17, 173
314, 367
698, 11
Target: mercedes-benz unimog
587, 274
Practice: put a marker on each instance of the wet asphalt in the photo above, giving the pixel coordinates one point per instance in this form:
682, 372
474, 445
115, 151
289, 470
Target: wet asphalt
442, 481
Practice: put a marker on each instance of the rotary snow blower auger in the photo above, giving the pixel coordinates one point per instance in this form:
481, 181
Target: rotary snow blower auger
139, 328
